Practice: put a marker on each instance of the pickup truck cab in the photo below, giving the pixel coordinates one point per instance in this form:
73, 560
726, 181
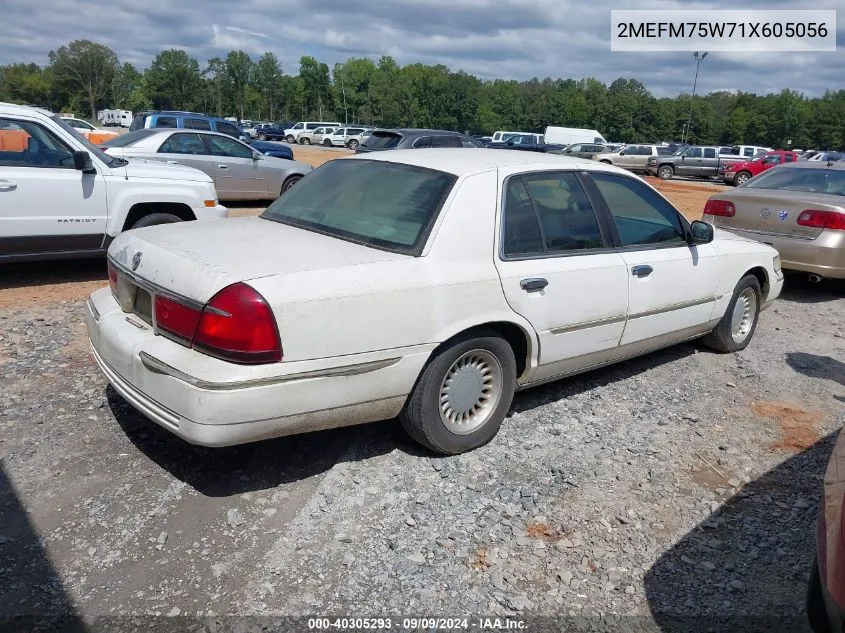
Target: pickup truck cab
63, 197
699, 160
740, 173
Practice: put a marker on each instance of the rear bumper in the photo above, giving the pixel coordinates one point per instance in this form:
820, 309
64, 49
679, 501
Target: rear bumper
823, 256
209, 402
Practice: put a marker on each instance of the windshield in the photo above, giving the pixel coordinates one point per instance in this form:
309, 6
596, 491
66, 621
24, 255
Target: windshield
382, 140
385, 205
829, 181
111, 161
124, 140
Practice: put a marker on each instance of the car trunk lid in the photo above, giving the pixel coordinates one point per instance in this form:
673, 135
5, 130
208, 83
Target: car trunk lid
774, 211
195, 260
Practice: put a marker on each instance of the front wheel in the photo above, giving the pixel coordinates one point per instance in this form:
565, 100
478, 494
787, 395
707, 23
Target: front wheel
305, 141
741, 178
262, 137
290, 181
462, 395
734, 331
353, 144
327, 143
156, 218
290, 138
665, 172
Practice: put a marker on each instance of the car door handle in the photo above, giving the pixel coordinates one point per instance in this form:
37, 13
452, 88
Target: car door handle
5, 185
222, 167
642, 271
534, 284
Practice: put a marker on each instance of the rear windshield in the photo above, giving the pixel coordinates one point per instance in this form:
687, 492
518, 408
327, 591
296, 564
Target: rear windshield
830, 181
138, 122
124, 140
385, 205
382, 140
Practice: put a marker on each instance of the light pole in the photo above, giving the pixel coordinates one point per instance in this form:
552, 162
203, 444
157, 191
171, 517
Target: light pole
698, 60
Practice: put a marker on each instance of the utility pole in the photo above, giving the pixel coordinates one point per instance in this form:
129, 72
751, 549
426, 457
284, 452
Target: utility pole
698, 61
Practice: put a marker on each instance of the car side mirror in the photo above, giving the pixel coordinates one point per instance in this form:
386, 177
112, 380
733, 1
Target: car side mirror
256, 155
82, 162
700, 232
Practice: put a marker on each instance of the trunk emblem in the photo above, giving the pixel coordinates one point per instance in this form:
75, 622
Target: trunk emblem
764, 213
136, 260
782, 215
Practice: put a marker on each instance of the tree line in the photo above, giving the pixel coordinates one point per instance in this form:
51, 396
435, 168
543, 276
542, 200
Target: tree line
86, 76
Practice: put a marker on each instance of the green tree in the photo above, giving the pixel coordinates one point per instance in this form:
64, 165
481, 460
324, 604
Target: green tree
266, 77
238, 67
315, 80
25, 83
125, 86
86, 69
173, 80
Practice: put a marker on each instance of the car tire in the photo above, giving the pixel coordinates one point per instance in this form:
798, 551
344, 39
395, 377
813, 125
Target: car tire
262, 137
289, 182
734, 331
665, 172
816, 612
481, 369
327, 143
156, 218
305, 141
353, 144
290, 138
741, 178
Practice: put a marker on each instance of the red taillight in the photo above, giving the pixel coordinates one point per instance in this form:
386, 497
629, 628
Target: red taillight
238, 325
176, 318
720, 207
112, 278
822, 219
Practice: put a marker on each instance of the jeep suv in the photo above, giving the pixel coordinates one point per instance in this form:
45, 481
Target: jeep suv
188, 120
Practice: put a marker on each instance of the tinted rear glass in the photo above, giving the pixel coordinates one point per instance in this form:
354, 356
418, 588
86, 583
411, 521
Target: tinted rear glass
830, 181
198, 124
384, 205
130, 138
166, 121
137, 122
382, 140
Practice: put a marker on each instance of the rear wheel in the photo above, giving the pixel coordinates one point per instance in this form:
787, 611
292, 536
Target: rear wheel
290, 181
156, 218
462, 395
290, 138
741, 178
665, 172
353, 144
305, 141
327, 143
262, 137
734, 331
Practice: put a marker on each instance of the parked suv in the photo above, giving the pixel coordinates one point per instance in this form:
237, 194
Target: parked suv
292, 133
315, 136
350, 137
633, 157
64, 197
412, 138
188, 120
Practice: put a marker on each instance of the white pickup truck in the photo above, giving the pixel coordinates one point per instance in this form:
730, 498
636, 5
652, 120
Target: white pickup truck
62, 197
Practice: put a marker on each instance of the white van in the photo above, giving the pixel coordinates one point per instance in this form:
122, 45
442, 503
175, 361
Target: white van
292, 133
568, 135
502, 137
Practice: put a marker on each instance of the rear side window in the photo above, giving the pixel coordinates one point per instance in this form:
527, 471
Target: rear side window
382, 140
183, 144
354, 131
788, 158
664, 151
748, 151
422, 142
198, 124
445, 141
548, 213
166, 121
640, 215
709, 152
228, 129
138, 122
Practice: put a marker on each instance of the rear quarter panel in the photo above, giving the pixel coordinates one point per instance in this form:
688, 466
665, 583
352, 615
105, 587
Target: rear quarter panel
413, 301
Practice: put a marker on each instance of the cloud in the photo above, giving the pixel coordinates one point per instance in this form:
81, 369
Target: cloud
513, 39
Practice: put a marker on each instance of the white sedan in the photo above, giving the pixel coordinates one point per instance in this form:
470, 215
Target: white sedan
424, 284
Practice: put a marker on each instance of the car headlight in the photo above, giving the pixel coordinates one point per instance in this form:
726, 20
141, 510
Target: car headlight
776, 263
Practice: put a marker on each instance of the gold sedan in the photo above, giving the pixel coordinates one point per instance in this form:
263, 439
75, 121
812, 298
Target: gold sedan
798, 208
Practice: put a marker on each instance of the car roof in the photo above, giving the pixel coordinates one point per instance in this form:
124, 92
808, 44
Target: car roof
814, 164
14, 108
408, 131
465, 161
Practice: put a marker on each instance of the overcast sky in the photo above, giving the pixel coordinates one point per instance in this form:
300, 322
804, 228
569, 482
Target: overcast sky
514, 39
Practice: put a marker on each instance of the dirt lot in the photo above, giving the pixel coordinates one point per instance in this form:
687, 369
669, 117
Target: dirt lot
680, 485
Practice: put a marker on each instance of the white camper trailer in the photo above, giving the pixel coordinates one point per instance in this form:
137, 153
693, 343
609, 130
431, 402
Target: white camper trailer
569, 135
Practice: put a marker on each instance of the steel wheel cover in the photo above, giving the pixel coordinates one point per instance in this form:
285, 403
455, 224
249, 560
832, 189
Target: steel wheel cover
742, 319
470, 391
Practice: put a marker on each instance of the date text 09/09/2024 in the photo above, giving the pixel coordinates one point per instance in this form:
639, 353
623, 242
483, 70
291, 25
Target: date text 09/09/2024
413, 624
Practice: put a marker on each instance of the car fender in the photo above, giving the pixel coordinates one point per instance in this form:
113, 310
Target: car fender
123, 195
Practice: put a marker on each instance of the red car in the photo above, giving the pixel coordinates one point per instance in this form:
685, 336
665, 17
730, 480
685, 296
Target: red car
739, 173
826, 596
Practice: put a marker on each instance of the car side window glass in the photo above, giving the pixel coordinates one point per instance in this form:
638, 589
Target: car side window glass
520, 228
663, 151
575, 148
788, 158
228, 129
641, 216
222, 146
566, 216
748, 151
693, 152
445, 141
423, 141
27, 144
198, 124
772, 160
709, 152
183, 144
166, 121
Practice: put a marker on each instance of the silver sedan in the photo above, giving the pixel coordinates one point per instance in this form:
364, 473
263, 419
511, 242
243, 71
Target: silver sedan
239, 172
